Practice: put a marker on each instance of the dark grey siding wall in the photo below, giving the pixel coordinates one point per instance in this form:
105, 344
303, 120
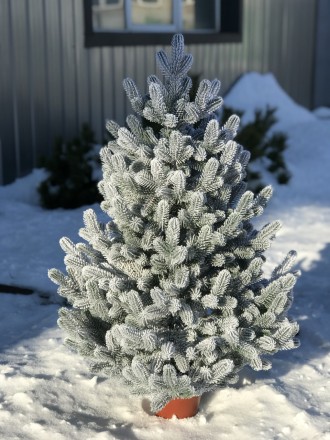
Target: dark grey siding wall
322, 55
50, 84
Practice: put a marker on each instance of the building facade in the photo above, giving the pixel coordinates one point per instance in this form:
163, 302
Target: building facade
56, 74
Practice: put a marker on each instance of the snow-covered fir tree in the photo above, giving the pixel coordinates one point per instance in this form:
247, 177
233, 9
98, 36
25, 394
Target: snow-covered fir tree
170, 294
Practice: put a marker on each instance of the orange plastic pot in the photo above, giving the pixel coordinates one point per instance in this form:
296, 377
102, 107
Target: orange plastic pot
181, 408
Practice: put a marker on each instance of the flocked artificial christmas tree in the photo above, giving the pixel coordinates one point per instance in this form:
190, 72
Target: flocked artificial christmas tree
170, 294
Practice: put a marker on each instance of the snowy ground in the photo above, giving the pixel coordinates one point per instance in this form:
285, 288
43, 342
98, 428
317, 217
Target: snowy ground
46, 392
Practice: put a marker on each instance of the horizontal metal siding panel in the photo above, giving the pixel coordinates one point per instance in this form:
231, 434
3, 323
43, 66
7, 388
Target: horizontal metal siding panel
305, 52
54, 57
70, 68
82, 63
322, 56
119, 96
139, 71
289, 46
40, 84
7, 131
22, 81
109, 86
95, 62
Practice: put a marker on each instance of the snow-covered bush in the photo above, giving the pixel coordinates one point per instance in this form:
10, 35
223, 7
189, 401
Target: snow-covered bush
266, 146
170, 294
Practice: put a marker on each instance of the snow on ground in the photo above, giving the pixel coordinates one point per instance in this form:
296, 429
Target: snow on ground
46, 392
256, 90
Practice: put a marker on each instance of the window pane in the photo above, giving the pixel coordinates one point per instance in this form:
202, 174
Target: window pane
108, 15
152, 12
199, 14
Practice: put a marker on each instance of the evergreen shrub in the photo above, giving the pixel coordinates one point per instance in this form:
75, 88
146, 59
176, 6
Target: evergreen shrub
170, 294
70, 182
266, 147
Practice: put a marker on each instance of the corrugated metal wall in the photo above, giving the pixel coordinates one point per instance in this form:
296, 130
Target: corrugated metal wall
50, 84
322, 56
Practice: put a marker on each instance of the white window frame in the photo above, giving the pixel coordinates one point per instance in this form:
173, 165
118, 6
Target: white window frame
103, 5
147, 4
176, 25
130, 26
